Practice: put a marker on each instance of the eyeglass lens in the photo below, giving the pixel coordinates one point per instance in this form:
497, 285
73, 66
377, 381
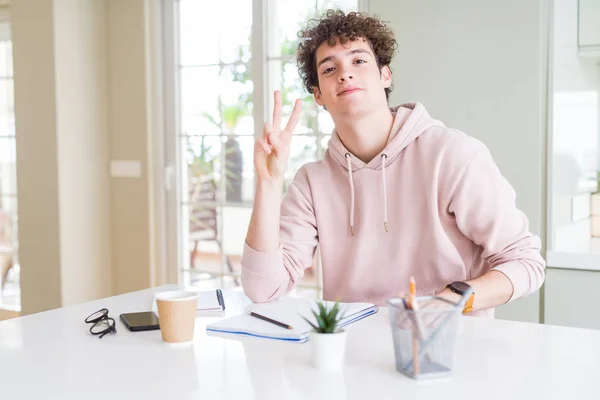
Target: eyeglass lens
98, 315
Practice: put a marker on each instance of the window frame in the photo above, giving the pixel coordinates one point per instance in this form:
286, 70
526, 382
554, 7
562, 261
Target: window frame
12, 196
263, 11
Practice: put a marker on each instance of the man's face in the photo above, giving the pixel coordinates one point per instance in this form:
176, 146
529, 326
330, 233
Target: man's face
350, 82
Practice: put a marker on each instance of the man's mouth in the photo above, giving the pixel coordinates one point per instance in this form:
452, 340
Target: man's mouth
348, 91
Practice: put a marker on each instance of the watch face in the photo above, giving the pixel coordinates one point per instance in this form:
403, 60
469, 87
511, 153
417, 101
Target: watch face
461, 286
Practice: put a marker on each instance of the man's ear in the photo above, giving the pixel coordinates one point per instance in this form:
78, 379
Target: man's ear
318, 96
386, 76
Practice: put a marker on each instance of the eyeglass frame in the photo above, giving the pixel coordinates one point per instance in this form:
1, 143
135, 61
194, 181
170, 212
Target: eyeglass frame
103, 316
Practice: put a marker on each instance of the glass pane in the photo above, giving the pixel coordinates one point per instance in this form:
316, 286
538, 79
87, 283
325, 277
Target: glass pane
10, 294
197, 42
235, 227
274, 81
8, 166
6, 66
575, 138
200, 89
325, 122
239, 169
7, 108
204, 244
303, 150
202, 156
8, 224
308, 122
324, 143
206, 281
235, 35
344, 5
291, 17
205, 247
292, 89
236, 98
204, 38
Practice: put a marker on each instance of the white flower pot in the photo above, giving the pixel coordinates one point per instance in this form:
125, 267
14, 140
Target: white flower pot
328, 350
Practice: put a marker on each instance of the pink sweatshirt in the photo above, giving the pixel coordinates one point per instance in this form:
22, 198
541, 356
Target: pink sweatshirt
432, 204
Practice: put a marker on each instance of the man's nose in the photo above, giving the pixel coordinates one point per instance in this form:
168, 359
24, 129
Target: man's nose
345, 75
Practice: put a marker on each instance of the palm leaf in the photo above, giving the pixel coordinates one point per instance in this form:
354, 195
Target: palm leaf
315, 328
327, 319
322, 309
320, 321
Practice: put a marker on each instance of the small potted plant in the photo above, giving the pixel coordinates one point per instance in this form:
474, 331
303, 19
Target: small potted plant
328, 341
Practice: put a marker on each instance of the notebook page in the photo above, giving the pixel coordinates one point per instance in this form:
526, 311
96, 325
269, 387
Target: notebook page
288, 311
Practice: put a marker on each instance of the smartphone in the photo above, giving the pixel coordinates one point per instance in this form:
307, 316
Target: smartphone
140, 321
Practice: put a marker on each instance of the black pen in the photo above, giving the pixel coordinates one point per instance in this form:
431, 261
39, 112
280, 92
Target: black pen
281, 324
220, 299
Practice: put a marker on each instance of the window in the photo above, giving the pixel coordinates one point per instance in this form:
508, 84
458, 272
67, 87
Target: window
224, 79
9, 267
575, 128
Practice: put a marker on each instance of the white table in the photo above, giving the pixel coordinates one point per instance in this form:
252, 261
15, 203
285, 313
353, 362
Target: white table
52, 355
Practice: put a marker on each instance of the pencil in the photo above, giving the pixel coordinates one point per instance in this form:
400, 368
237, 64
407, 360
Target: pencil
281, 324
412, 287
404, 302
415, 341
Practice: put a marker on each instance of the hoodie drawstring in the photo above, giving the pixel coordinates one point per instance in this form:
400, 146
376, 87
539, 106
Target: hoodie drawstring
383, 159
349, 164
351, 193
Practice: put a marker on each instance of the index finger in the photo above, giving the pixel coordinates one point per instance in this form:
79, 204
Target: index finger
296, 112
277, 110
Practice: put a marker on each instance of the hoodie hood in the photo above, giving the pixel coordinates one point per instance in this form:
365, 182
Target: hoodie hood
410, 120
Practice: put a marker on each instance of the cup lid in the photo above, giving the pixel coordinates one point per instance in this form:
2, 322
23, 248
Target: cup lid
175, 295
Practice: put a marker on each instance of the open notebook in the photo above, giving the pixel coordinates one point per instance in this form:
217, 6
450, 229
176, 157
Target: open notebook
290, 312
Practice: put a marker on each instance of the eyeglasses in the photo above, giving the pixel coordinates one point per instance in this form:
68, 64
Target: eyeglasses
101, 323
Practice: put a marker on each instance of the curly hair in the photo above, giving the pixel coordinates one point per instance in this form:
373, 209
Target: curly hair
335, 25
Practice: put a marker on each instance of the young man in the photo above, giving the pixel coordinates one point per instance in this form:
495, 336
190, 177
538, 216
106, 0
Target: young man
397, 193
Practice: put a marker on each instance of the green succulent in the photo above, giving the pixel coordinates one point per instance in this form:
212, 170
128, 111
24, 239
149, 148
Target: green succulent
327, 318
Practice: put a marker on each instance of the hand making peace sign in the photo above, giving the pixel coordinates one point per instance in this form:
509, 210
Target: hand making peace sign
272, 151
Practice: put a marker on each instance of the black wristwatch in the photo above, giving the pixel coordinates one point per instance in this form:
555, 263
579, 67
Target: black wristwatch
461, 288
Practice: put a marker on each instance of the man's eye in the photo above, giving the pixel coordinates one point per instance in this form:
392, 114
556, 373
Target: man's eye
360, 61
328, 70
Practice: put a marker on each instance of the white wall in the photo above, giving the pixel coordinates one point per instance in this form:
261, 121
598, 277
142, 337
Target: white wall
481, 67
60, 76
131, 138
81, 80
37, 169
85, 94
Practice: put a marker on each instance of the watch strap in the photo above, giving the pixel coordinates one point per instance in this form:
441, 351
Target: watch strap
469, 303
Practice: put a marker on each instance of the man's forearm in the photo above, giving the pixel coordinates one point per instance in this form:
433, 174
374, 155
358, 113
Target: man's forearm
263, 231
492, 289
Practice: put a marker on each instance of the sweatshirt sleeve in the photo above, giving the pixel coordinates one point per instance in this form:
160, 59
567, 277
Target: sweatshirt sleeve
267, 276
484, 207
